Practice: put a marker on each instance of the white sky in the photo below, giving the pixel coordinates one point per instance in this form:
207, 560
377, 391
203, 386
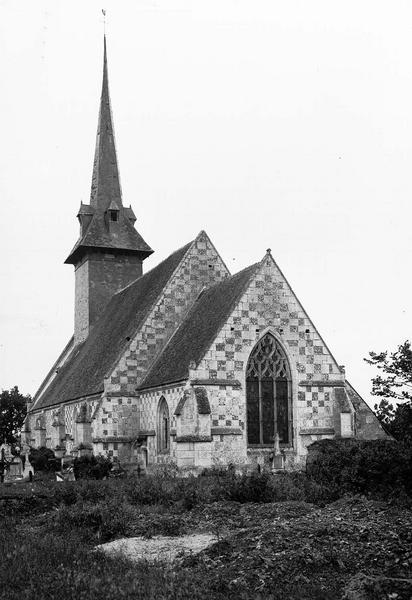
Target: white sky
282, 124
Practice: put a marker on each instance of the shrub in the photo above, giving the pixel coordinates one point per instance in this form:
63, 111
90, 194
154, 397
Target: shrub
43, 459
156, 489
150, 525
92, 467
286, 486
255, 487
65, 493
69, 492
218, 471
381, 468
107, 520
165, 470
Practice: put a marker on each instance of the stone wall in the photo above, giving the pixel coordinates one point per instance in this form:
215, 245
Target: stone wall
123, 422
367, 426
97, 278
269, 304
201, 267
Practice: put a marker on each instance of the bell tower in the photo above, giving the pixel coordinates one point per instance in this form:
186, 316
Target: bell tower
109, 252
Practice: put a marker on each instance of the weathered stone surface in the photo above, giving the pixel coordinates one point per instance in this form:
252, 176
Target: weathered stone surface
160, 547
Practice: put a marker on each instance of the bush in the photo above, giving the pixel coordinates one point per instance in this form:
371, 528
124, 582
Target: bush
107, 520
151, 524
226, 485
248, 488
380, 468
92, 467
69, 492
43, 459
218, 471
65, 493
151, 490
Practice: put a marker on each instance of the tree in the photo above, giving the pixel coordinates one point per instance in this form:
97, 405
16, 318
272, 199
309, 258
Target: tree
12, 413
394, 382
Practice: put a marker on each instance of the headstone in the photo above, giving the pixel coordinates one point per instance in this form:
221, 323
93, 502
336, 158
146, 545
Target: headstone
11, 465
28, 470
67, 471
278, 457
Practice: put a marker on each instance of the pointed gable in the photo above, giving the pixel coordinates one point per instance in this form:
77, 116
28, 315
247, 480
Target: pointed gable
200, 268
269, 302
136, 324
202, 324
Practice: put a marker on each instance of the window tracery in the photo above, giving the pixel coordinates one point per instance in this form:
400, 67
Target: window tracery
268, 394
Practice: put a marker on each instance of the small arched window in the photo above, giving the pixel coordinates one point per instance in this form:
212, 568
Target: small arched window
268, 394
163, 426
74, 431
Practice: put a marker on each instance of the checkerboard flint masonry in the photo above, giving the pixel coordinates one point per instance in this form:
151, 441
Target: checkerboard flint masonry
186, 363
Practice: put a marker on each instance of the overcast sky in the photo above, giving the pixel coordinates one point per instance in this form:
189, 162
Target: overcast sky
281, 124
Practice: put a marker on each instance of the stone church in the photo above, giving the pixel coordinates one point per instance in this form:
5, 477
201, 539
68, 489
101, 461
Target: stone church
185, 363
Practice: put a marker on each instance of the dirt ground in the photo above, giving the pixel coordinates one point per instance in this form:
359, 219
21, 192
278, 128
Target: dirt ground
354, 549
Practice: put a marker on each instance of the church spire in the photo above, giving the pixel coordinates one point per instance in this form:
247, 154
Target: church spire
105, 223
109, 253
105, 179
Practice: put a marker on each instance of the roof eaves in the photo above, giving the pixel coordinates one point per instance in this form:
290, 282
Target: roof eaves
171, 382
45, 383
68, 401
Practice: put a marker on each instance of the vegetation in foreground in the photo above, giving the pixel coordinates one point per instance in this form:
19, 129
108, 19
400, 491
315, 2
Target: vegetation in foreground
275, 550
285, 537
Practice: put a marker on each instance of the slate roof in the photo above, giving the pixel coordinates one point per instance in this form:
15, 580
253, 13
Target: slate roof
98, 236
106, 191
202, 401
83, 372
196, 333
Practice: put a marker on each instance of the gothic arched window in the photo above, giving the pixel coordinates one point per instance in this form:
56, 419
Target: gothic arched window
268, 394
163, 426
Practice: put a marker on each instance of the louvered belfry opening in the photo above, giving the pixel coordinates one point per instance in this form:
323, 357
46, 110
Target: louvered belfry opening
268, 394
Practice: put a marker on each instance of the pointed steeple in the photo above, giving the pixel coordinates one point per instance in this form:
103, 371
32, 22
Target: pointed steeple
102, 227
105, 179
109, 253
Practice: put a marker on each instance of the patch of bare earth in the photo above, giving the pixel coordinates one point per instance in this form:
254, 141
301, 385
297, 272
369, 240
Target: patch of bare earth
159, 548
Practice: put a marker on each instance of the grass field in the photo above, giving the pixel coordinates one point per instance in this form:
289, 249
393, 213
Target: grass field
280, 538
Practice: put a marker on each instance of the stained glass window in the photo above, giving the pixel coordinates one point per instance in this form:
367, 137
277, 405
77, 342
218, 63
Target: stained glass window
268, 394
163, 431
